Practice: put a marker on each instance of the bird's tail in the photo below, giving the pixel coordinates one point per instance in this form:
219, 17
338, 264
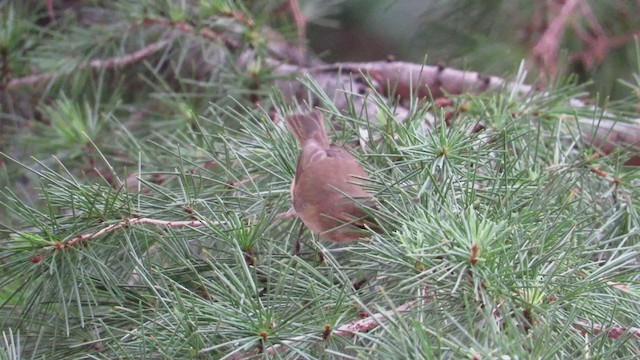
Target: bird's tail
307, 127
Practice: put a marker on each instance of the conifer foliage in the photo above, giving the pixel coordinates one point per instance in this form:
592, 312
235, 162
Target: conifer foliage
145, 168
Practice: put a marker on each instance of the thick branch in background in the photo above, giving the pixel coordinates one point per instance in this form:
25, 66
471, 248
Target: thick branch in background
404, 79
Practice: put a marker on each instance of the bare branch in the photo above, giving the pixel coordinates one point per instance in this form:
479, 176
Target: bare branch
593, 22
598, 47
134, 221
545, 53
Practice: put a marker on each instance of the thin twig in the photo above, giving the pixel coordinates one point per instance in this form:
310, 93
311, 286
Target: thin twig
301, 26
298, 19
188, 28
593, 22
235, 184
108, 63
597, 48
133, 221
50, 13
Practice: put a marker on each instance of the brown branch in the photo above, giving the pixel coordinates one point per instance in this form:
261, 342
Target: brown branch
620, 40
127, 59
595, 39
240, 17
593, 22
133, 221
188, 28
118, 61
49, 4
298, 19
599, 46
359, 326
613, 332
114, 227
301, 26
545, 52
370, 322
603, 174
236, 184
402, 79
108, 63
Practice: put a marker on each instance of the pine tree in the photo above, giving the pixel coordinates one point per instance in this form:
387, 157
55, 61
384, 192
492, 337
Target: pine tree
146, 224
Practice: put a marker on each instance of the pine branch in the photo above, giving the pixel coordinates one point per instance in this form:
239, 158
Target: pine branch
359, 326
187, 28
134, 221
97, 64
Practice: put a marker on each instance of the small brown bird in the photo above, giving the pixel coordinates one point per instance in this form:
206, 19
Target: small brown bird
327, 190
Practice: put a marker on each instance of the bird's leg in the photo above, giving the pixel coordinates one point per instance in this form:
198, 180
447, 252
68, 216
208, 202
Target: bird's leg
291, 213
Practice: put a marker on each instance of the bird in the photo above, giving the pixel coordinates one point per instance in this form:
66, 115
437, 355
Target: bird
327, 192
